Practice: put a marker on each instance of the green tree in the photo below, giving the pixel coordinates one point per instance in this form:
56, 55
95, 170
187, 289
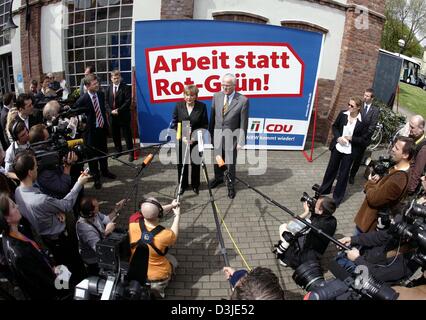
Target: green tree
406, 19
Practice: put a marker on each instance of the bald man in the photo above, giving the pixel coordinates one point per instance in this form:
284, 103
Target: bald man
417, 125
161, 265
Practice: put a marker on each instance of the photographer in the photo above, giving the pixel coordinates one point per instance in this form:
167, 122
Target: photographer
382, 193
93, 226
310, 246
26, 111
47, 214
417, 125
20, 142
382, 253
161, 265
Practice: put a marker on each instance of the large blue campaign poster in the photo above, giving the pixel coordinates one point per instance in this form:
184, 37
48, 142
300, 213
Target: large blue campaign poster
276, 67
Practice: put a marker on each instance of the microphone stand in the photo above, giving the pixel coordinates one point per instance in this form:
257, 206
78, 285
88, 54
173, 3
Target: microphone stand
317, 230
216, 219
183, 169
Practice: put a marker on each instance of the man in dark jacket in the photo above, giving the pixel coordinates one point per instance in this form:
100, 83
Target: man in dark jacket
119, 98
95, 137
370, 117
310, 246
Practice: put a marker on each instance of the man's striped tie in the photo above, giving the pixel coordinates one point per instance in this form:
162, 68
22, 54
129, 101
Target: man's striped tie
99, 118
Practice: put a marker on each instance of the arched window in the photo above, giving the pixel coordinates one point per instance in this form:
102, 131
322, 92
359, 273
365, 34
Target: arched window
239, 16
303, 25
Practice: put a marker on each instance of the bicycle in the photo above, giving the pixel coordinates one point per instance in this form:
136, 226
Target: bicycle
376, 138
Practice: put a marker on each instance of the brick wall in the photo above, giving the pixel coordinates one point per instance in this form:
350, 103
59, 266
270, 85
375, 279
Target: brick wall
177, 9
358, 59
31, 46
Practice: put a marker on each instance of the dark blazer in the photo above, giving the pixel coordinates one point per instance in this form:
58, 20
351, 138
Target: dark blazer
30, 268
3, 117
371, 119
359, 137
86, 102
198, 118
123, 99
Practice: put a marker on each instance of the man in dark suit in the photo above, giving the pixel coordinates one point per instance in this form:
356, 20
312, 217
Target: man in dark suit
26, 111
119, 97
370, 117
97, 127
228, 127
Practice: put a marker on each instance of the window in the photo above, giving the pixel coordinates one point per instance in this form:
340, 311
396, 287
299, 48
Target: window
99, 33
239, 16
4, 17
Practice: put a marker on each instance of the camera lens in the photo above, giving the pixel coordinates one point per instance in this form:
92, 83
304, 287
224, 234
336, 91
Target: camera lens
308, 275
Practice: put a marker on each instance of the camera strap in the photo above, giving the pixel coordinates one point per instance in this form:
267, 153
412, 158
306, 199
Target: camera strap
95, 227
148, 237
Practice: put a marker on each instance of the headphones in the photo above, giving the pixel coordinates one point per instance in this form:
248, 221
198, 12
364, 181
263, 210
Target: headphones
157, 204
13, 132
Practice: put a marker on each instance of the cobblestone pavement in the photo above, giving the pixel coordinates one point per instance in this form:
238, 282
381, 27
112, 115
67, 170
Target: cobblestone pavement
252, 222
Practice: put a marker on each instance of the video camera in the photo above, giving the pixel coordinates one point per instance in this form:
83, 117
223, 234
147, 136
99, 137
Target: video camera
67, 123
117, 280
312, 201
381, 166
309, 277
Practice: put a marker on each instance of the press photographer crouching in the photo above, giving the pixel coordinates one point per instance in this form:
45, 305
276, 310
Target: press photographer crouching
144, 226
298, 243
93, 226
392, 255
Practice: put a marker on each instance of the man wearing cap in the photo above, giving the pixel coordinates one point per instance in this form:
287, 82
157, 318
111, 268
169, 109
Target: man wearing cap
161, 265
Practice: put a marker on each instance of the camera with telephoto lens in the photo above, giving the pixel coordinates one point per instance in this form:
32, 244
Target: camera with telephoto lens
311, 201
309, 276
294, 230
68, 123
381, 166
412, 228
117, 280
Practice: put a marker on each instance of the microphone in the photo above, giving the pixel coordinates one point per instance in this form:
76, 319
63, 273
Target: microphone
221, 163
147, 160
200, 141
72, 143
179, 131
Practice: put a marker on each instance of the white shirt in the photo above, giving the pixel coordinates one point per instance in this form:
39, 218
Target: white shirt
189, 109
367, 108
26, 121
348, 130
230, 97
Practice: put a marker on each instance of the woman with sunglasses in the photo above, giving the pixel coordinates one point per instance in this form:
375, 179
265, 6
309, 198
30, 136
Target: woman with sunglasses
349, 137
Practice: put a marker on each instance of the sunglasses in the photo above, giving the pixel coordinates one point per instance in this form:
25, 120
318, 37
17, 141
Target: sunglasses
350, 105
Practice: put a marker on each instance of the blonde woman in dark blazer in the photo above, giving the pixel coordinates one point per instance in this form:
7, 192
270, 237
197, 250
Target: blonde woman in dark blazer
350, 134
196, 113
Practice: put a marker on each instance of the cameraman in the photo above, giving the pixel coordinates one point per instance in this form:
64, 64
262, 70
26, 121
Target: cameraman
310, 246
53, 178
93, 226
382, 193
51, 113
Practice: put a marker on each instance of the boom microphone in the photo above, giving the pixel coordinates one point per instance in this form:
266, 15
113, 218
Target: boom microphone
147, 160
221, 163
